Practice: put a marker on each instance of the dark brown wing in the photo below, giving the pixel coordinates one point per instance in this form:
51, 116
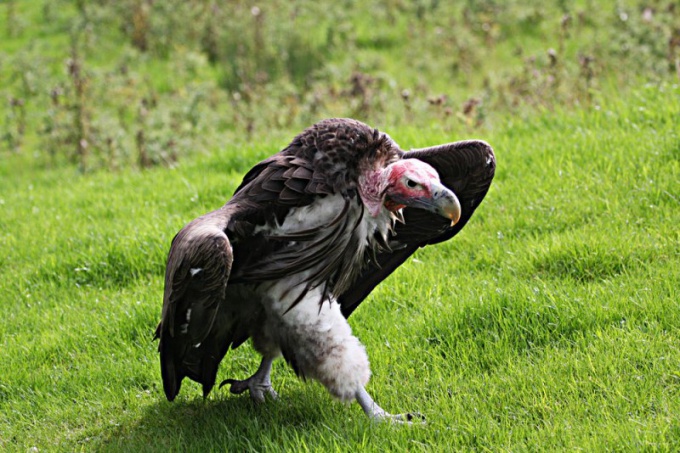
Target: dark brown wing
465, 167
196, 278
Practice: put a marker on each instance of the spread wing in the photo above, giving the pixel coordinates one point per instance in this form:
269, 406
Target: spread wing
465, 167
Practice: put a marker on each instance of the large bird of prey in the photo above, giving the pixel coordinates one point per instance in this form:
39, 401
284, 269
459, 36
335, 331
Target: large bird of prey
305, 238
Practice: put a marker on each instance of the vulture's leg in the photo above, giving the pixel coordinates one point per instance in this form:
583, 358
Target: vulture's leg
320, 345
259, 384
317, 342
376, 412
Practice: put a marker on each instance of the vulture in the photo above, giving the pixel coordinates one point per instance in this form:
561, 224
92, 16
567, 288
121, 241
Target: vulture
305, 238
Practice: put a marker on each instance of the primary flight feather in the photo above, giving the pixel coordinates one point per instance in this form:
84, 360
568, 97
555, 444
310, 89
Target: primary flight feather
305, 238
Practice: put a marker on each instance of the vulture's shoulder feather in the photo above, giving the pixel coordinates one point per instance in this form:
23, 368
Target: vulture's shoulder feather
324, 159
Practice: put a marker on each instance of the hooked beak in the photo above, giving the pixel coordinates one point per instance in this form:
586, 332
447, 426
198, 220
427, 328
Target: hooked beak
445, 203
442, 202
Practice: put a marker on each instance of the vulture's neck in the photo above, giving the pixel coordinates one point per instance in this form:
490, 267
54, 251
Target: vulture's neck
372, 186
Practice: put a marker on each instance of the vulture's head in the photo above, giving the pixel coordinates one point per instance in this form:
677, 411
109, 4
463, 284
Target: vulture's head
410, 183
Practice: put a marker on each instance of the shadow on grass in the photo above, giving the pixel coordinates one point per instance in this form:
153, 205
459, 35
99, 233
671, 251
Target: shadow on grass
227, 423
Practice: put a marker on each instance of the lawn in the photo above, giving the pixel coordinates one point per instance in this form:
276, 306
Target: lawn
552, 322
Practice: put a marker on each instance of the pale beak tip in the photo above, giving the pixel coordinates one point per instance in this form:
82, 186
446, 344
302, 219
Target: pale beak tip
454, 214
447, 204
455, 218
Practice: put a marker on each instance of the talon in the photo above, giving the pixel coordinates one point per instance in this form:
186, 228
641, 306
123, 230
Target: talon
412, 417
257, 385
236, 387
415, 417
405, 419
273, 393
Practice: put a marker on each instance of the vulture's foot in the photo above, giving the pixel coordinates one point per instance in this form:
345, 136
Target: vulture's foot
258, 389
407, 418
259, 384
377, 413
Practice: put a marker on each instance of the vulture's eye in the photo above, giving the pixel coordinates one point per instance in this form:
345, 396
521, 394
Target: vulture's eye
412, 184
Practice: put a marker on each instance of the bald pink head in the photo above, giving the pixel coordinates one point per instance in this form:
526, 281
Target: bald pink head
413, 183
411, 177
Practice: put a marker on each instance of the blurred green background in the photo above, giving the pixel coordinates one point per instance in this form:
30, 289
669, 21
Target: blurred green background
120, 83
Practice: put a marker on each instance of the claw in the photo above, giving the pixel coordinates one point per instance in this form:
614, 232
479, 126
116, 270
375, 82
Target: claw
257, 389
259, 384
406, 419
236, 387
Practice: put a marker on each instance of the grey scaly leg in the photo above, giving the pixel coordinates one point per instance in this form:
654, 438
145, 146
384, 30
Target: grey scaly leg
376, 412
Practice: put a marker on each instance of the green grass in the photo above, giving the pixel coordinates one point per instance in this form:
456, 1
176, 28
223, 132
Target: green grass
551, 323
